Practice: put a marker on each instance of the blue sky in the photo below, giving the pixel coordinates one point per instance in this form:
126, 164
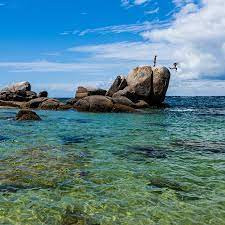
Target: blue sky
59, 45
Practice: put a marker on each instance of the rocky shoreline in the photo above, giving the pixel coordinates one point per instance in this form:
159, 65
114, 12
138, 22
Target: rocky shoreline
143, 88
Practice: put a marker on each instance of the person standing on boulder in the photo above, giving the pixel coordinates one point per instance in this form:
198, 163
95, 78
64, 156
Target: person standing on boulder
155, 61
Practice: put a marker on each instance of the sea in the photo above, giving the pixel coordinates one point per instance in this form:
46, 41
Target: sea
162, 167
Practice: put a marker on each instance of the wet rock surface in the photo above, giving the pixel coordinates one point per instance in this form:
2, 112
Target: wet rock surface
27, 115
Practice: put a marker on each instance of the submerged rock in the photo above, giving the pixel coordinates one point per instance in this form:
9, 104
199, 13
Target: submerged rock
166, 183
27, 115
149, 152
68, 140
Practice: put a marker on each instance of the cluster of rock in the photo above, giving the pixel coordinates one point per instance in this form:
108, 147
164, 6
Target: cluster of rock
143, 87
20, 95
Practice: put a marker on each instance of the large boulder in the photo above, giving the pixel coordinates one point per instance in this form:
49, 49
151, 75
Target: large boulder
123, 101
43, 94
127, 92
83, 92
35, 103
50, 104
119, 84
27, 115
161, 79
146, 83
95, 103
20, 92
46, 104
21, 86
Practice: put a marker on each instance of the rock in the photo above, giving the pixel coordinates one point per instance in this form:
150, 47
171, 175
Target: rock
149, 84
123, 101
95, 103
71, 101
98, 91
27, 115
141, 104
166, 183
83, 92
10, 104
50, 104
21, 86
19, 92
119, 108
65, 107
43, 94
35, 103
119, 84
30, 95
126, 92
161, 79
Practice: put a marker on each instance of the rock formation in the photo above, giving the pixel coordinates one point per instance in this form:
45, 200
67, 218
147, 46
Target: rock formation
19, 95
98, 103
27, 115
144, 87
146, 83
20, 92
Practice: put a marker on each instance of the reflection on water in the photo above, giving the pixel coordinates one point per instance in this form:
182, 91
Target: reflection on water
163, 167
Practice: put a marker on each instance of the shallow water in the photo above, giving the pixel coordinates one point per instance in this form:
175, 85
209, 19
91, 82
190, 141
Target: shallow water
163, 167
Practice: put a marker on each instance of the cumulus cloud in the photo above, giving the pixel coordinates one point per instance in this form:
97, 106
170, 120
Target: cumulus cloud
196, 39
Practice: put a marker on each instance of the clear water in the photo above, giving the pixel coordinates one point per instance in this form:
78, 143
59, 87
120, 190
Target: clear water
163, 167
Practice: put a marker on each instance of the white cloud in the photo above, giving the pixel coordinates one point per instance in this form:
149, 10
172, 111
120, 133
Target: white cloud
180, 3
127, 28
130, 3
196, 39
139, 52
153, 11
48, 66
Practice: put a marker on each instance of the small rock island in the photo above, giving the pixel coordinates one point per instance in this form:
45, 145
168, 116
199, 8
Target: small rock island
143, 87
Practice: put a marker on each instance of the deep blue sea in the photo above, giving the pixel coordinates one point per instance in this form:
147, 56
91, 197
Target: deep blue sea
166, 166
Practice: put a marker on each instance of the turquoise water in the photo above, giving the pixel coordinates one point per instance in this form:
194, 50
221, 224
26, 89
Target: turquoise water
163, 167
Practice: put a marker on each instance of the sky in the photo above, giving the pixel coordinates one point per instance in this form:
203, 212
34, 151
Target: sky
58, 45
